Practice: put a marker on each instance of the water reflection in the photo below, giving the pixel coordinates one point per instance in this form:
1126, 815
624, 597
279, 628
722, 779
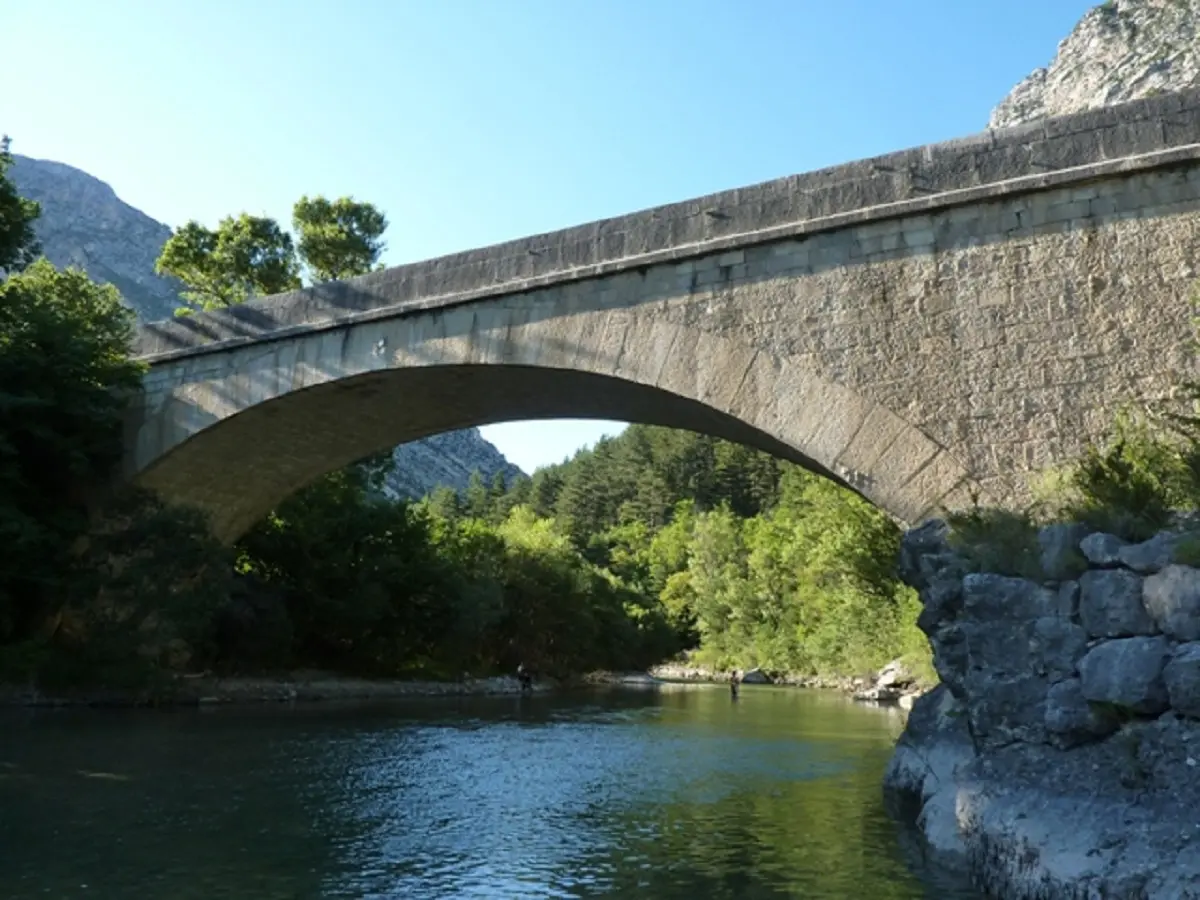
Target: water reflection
614, 794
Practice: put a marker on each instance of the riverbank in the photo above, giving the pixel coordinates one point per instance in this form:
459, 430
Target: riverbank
291, 687
891, 685
894, 683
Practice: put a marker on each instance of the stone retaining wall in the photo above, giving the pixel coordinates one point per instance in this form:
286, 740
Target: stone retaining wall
1060, 756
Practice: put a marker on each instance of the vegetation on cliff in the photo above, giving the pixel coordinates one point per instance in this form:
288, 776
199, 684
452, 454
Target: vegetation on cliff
642, 546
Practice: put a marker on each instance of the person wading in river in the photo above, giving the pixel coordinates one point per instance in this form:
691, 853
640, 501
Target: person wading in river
733, 685
525, 677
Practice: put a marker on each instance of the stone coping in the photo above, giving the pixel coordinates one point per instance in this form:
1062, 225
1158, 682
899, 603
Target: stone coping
1153, 132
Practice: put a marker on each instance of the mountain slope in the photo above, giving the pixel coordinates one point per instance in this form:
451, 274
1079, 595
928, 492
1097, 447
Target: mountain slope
85, 224
1120, 50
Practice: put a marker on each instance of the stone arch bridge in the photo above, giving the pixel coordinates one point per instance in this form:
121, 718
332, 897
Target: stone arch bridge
921, 326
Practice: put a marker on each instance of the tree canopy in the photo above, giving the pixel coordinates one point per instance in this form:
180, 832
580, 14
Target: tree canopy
18, 244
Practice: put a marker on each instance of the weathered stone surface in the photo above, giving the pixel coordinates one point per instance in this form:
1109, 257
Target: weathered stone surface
1102, 549
1172, 599
1110, 604
1070, 719
941, 601
1060, 554
939, 287
1006, 709
1119, 50
1152, 555
756, 676
989, 597
1182, 678
1068, 600
1128, 673
1056, 646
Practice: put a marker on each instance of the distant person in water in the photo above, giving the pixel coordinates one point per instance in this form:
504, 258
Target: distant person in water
733, 685
525, 677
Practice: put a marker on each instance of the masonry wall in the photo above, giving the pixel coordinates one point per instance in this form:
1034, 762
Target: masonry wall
1108, 633
984, 328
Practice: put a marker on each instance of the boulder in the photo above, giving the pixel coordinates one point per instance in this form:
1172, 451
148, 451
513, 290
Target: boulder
1049, 647
1151, 556
1110, 604
1055, 648
1070, 719
989, 597
1102, 549
1061, 558
1127, 673
1002, 710
1182, 677
755, 676
951, 657
1172, 600
894, 674
941, 601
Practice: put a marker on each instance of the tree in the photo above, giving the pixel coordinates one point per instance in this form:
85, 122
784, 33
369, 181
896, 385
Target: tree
338, 239
245, 257
65, 377
18, 244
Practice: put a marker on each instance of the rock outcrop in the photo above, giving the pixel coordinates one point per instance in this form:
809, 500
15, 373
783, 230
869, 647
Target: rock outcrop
1120, 50
85, 224
1059, 757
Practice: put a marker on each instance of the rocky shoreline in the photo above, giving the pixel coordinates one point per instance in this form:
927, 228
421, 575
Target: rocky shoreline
1060, 756
294, 687
893, 684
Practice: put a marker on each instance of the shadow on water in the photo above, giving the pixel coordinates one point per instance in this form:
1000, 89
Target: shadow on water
603, 794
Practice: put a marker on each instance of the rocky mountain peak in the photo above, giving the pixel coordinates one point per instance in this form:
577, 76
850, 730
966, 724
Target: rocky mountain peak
84, 223
1120, 50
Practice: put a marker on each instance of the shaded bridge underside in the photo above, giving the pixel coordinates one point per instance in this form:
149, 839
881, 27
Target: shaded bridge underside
239, 467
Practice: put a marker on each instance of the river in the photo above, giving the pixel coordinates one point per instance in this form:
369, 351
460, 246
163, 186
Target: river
681, 793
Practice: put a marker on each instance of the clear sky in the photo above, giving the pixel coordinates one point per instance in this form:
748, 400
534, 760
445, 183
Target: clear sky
476, 121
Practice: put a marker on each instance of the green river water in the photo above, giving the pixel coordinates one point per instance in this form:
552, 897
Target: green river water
680, 793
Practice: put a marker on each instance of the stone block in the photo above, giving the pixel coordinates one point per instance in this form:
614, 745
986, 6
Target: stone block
988, 597
1006, 709
1060, 554
1127, 673
1182, 678
1172, 599
1070, 719
1150, 556
1102, 549
1110, 604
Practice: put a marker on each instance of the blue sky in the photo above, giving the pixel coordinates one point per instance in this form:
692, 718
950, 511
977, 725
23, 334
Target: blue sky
475, 122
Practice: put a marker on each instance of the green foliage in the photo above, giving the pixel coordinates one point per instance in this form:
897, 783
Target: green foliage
338, 239
1130, 482
1003, 542
1187, 551
65, 377
244, 257
18, 243
252, 256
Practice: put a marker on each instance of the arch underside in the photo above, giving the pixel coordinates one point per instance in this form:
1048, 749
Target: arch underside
238, 467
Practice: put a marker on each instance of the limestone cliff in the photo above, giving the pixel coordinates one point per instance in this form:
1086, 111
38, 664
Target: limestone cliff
84, 223
1120, 50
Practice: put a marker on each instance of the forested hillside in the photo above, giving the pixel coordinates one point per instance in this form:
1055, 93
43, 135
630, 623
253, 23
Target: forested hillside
752, 560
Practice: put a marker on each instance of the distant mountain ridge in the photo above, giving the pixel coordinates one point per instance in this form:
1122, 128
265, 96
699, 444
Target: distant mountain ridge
85, 224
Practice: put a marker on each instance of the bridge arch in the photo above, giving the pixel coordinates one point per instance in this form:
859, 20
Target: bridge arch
235, 433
